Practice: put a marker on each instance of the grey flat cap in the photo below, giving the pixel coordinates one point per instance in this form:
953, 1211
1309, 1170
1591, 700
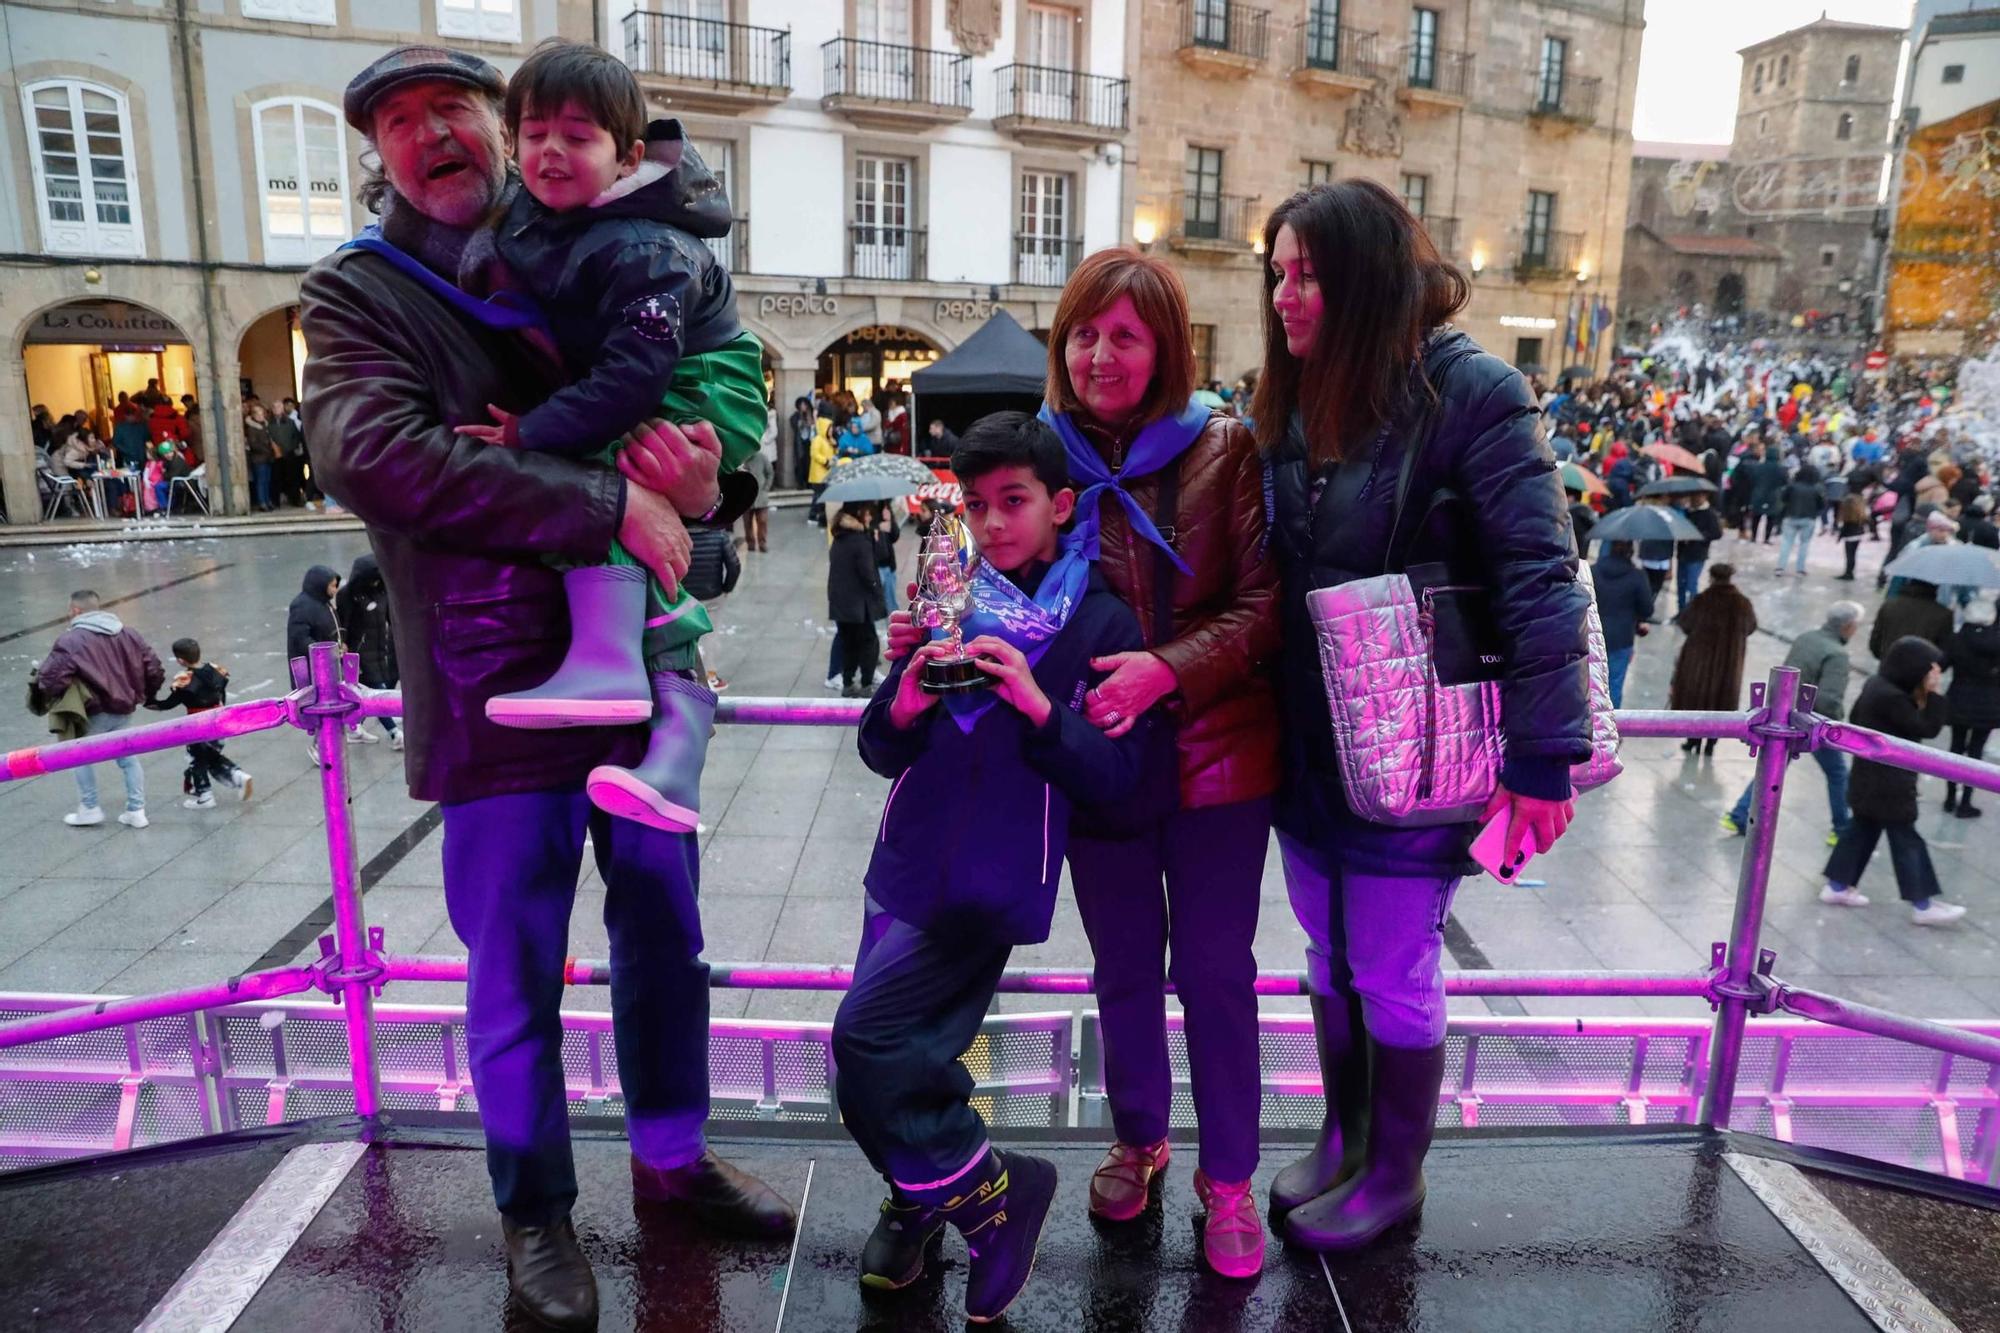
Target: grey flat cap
409, 64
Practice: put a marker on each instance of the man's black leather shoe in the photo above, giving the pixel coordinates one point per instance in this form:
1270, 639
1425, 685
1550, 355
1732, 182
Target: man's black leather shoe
550, 1278
718, 1195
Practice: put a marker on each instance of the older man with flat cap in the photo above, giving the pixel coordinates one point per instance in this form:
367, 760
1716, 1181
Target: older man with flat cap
404, 347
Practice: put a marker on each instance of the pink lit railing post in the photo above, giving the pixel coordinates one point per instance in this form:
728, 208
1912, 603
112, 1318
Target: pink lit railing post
354, 970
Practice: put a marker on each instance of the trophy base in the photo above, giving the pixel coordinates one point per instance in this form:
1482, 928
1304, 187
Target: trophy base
954, 675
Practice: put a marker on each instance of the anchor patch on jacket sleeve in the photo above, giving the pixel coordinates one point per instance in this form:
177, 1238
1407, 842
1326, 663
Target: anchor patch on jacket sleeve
656, 318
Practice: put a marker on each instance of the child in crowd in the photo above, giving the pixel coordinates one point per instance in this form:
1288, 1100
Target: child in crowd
608, 237
1901, 699
200, 687
953, 885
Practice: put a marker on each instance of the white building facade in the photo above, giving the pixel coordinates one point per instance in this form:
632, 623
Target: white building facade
899, 168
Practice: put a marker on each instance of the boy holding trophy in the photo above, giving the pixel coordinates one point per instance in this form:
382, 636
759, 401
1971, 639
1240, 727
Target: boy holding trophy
982, 734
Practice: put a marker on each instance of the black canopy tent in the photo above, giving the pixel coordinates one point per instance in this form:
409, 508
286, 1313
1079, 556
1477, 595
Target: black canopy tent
1000, 366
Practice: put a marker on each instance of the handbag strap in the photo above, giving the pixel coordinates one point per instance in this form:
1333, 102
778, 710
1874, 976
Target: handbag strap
1431, 371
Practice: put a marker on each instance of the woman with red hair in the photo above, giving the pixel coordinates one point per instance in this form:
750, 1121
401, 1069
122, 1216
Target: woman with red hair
1171, 505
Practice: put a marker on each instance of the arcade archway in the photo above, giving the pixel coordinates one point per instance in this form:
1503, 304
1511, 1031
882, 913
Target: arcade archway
79, 356
875, 359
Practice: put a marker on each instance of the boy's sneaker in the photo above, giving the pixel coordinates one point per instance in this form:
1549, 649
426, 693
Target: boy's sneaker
1835, 896
1000, 1212
137, 819
240, 779
833, 682
905, 1237
205, 801
359, 736
396, 739
1936, 912
1731, 827
84, 816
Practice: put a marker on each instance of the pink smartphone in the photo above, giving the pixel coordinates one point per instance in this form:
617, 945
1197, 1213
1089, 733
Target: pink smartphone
1491, 845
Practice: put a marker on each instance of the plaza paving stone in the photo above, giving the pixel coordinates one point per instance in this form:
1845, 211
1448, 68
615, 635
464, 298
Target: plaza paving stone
1645, 880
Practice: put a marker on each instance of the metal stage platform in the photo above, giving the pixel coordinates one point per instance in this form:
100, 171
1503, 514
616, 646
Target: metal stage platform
344, 1227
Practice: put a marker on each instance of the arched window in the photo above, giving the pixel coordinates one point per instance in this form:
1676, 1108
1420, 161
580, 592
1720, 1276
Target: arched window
301, 179
1852, 74
85, 188
1844, 128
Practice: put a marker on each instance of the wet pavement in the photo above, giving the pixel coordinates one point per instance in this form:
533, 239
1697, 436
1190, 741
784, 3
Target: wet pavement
1644, 880
401, 1236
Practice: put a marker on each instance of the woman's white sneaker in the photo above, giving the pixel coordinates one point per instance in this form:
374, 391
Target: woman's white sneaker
88, 816
1936, 912
137, 819
1840, 897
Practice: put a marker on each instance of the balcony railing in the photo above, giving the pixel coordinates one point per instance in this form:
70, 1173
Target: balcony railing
733, 251
708, 51
1218, 219
1941, 242
1569, 97
914, 76
1064, 97
1045, 261
1237, 30
1336, 49
887, 254
1443, 233
1437, 71
1548, 253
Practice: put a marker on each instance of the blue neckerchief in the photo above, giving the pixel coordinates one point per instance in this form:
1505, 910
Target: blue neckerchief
1159, 444
1001, 609
509, 311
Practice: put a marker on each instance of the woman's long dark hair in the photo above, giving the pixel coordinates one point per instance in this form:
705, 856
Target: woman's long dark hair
1385, 286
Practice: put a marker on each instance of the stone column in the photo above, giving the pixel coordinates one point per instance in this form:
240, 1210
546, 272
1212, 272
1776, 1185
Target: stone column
795, 380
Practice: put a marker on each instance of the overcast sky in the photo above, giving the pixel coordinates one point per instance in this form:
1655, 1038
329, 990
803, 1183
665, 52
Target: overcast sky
1688, 66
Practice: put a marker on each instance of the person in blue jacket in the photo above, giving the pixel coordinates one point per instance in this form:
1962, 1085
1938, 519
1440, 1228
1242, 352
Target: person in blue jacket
967, 862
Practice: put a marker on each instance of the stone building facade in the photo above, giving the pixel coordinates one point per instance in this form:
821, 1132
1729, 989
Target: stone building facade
1507, 126
1806, 158
1686, 243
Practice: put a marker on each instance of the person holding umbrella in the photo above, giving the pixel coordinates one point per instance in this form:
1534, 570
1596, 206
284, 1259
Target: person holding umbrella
1691, 557
1624, 608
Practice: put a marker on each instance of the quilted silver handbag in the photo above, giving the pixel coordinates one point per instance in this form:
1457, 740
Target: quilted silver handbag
1416, 750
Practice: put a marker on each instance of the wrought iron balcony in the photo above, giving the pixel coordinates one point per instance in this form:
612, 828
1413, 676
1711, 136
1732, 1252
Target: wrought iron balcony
733, 251
1563, 99
888, 254
706, 63
895, 87
1217, 221
1443, 233
1434, 76
1045, 261
1061, 106
1224, 38
1335, 57
1548, 254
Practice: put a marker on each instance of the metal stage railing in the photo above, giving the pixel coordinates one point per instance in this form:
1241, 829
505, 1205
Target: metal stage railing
121, 1072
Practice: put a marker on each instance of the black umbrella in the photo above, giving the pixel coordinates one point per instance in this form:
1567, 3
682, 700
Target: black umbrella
1532, 368
1644, 523
1676, 486
1577, 373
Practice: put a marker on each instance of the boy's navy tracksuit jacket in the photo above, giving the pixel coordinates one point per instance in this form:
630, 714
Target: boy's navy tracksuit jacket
973, 835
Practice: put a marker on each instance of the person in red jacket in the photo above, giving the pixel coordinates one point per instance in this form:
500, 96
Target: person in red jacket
119, 671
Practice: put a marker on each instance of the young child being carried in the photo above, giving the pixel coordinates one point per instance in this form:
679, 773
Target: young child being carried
608, 238
200, 687
967, 861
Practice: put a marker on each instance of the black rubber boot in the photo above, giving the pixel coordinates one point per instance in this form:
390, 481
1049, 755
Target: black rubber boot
904, 1240
550, 1279
1390, 1187
1343, 1134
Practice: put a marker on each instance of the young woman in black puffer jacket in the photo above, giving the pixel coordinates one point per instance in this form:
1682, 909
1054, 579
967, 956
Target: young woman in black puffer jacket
1353, 382
1973, 656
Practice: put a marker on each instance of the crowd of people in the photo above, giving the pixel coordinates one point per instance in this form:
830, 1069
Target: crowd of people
131, 452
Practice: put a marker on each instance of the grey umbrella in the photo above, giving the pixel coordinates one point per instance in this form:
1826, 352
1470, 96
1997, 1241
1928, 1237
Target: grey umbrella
875, 487
1676, 486
1645, 523
876, 477
1950, 563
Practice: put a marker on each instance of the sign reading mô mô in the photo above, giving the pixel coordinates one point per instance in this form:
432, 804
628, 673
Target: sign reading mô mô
103, 321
